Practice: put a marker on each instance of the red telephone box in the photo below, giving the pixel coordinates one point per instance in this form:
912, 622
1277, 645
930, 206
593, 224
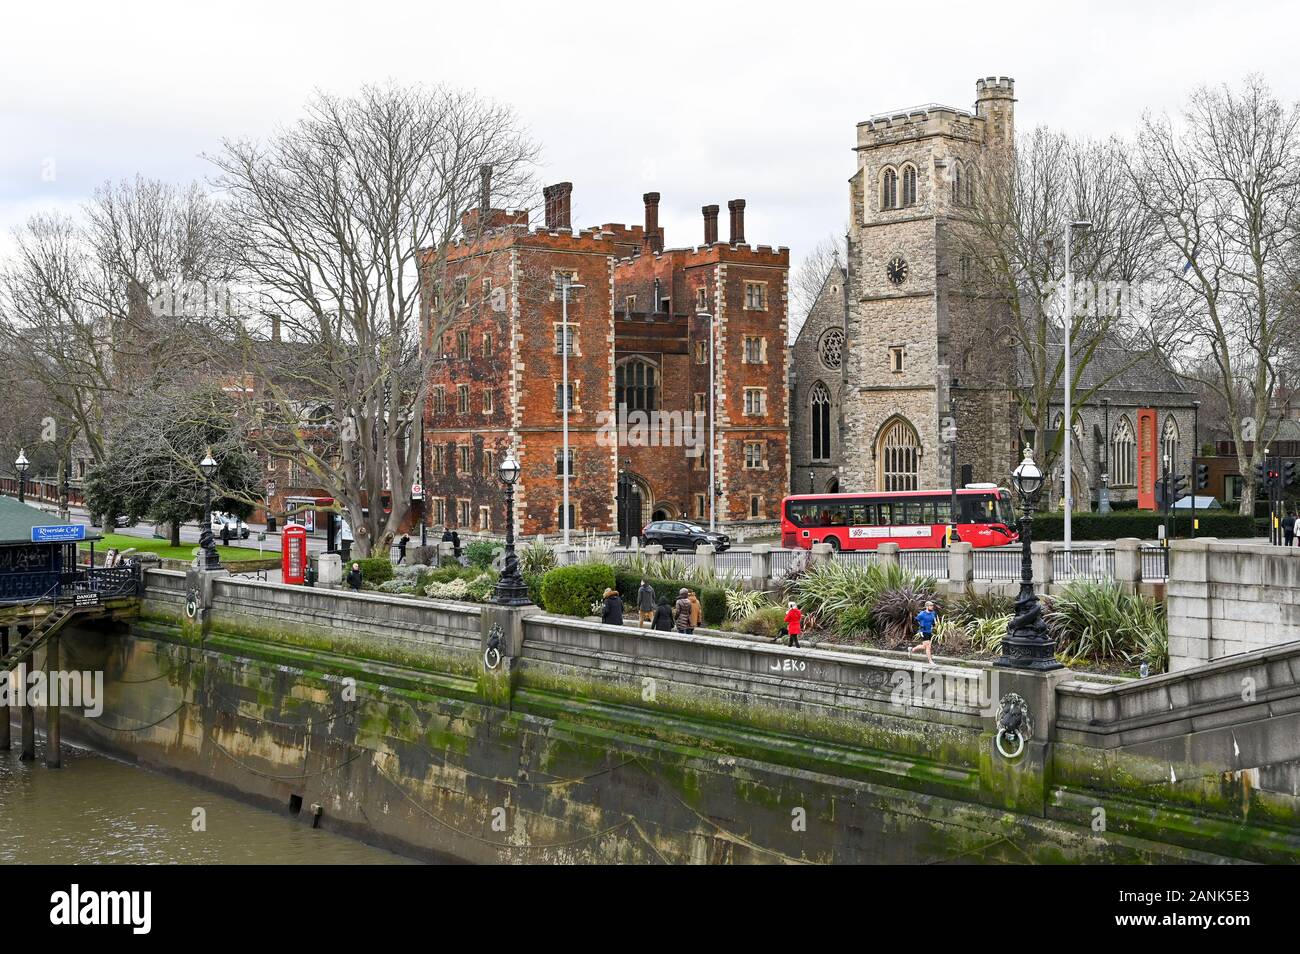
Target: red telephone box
293, 553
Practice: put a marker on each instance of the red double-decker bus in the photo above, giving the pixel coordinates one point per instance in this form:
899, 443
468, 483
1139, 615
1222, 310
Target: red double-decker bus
916, 519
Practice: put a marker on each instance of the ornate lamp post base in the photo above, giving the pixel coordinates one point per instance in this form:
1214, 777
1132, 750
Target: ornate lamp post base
1027, 644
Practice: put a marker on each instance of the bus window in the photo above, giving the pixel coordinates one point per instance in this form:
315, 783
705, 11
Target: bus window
834, 515
892, 513
981, 509
1003, 511
919, 512
801, 514
862, 513
943, 511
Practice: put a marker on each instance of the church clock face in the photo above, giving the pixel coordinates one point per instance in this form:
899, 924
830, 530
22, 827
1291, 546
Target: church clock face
896, 270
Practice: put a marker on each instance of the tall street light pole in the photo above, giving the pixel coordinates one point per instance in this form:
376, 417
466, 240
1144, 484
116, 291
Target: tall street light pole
566, 284
1196, 453
1082, 225
713, 488
1103, 495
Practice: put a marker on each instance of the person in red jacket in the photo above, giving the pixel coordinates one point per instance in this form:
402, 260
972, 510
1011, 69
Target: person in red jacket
793, 621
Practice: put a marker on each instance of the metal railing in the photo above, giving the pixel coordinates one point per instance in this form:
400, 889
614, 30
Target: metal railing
730, 561
1155, 563
1083, 563
928, 562
859, 557
996, 564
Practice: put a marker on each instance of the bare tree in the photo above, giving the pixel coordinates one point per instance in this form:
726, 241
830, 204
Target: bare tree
1223, 183
331, 223
79, 297
1010, 239
808, 278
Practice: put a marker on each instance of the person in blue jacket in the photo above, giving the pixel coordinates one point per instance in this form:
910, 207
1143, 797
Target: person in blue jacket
925, 621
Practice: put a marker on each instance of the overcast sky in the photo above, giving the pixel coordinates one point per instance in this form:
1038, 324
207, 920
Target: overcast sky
703, 102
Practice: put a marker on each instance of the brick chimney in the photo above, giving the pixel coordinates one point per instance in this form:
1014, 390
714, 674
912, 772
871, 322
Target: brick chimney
652, 237
557, 205
484, 193
710, 224
737, 208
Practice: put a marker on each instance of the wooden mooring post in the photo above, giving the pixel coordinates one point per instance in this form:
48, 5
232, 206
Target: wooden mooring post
53, 754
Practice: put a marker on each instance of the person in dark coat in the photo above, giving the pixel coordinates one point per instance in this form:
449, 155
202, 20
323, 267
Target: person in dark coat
446, 535
455, 544
645, 604
684, 611
663, 616
225, 534
354, 576
1288, 528
401, 548
611, 614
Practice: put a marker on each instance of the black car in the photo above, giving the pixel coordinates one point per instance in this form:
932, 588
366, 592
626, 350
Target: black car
680, 535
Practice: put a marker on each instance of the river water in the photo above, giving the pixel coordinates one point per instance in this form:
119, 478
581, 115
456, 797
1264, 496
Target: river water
96, 810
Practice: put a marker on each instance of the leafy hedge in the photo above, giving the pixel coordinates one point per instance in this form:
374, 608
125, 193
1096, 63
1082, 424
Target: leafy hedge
570, 590
481, 553
1142, 524
376, 569
713, 599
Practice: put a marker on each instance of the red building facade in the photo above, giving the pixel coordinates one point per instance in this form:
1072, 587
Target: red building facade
640, 369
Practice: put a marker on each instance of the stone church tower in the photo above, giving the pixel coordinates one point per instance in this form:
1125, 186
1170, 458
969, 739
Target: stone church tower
916, 344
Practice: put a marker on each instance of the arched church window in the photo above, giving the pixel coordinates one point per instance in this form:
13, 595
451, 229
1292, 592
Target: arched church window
821, 422
889, 190
1169, 444
636, 383
899, 456
1123, 457
909, 185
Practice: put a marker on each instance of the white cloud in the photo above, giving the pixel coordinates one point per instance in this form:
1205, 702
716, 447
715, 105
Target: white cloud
701, 102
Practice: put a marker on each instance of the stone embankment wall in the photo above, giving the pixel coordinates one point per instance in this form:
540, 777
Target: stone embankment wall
1228, 598
380, 717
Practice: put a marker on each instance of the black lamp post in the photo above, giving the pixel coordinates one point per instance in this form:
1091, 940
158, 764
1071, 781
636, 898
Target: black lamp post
510, 588
1103, 495
21, 465
209, 558
1027, 644
1196, 453
624, 498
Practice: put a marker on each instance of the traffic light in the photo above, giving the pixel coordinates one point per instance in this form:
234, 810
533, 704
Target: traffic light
1261, 474
1177, 486
1202, 476
1288, 473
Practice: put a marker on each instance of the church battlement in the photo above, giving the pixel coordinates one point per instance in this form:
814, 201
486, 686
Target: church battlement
918, 123
995, 87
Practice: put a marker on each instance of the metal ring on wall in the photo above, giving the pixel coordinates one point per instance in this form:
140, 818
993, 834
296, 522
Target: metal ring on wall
1020, 744
491, 657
